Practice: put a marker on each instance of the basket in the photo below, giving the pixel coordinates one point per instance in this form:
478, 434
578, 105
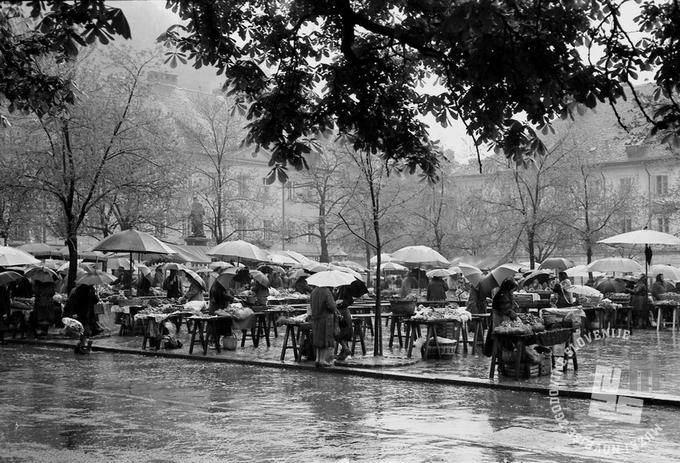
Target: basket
403, 307
529, 370
446, 350
550, 338
229, 342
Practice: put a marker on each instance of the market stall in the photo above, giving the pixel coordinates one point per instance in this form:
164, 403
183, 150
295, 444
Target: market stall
444, 328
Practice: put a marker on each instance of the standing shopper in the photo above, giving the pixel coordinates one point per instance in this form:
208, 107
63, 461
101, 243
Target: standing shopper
323, 325
503, 308
172, 285
344, 301
436, 289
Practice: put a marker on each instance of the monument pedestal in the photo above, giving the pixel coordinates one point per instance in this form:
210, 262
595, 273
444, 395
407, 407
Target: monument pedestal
197, 240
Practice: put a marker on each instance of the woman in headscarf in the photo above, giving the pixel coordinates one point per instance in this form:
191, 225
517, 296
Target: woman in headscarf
323, 325
503, 308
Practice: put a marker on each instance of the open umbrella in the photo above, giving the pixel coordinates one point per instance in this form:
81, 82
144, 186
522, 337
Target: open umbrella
40, 250
556, 263
95, 277
352, 265
581, 271
330, 278
133, 241
271, 269
610, 285
470, 272
505, 271
297, 256
239, 249
668, 271
42, 274
194, 276
9, 277
260, 277
418, 256
643, 237
584, 291
543, 276
440, 272
282, 259
392, 267
384, 258
11, 257
615, 264
173, 266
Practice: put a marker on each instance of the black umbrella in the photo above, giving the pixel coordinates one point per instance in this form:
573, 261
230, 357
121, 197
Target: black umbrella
543, 276
357, 288
610, 285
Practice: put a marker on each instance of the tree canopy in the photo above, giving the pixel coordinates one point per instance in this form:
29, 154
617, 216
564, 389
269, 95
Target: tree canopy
371, 70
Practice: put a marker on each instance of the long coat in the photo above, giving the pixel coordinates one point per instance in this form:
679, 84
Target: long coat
323, 318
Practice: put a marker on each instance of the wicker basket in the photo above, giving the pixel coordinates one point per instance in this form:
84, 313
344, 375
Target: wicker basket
403, 307
550, 338
446, 350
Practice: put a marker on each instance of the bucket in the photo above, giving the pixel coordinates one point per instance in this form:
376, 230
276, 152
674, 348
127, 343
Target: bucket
229, 342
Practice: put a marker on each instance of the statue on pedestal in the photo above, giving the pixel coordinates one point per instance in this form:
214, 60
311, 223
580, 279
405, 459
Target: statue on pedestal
196, 218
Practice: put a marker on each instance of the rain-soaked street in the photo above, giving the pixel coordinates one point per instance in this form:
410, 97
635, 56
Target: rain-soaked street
55, 406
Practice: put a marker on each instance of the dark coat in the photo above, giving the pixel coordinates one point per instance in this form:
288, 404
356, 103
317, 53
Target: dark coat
436, 290
503, 306
81, 304
172, 286
323, 318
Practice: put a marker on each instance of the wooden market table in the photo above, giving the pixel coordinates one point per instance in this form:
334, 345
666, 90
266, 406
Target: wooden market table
660, 306
413, 332
520, 341
296, 333
205, 326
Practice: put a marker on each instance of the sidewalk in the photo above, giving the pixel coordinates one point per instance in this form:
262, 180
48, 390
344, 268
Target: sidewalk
646, 355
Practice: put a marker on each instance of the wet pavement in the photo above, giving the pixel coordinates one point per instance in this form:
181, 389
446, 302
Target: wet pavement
649, 354
59, 407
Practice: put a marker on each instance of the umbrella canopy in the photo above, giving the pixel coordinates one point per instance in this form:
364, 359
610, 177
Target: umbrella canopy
505, 271
616, 264
392, 267
260, 277
543, 276
194, 276
173, 266
282, 259
610, 285
118, 262
42, 274
357, 288
133, 241
9, 277
352, 265
331, 278
418, 255
239, 249
384, 258
581, 271
440, 272
584, 291
10, 257
41, 250
225, 278
643, 237
267, 268
455, 270
668, 271
297, 256
470, 272
556, 263
95, 277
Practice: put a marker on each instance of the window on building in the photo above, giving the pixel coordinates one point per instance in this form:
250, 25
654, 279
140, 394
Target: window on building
242, 227
627, 225
661, 182
267, 230
625, 184
663, 224
242, 181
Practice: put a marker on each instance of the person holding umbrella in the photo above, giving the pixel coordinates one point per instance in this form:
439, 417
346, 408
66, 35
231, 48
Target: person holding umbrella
80, 306
343, 301
172, 285
196, 286
323, 325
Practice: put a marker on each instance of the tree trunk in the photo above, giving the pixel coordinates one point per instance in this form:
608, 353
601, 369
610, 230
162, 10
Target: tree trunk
323, 237
72, 244
530, 247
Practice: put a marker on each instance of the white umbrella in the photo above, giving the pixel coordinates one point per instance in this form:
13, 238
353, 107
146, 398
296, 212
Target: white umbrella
384, 258
95, 277
351, 264
331, 278
556, 263
239, 249
470, 272
297, 256
668, 271
194, 276
282, 259
392, 266
581, 271
455, 270
584, 291
643, 237
418, 255
10, 257
505, 271
440, 272
616, 264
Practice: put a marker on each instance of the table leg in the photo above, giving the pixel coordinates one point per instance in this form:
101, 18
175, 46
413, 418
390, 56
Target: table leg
494, 359
266, 333
675, 315
658, 318
410, 339
285, 342
202, 335
193, 338
401, 344
518, 359
392, 326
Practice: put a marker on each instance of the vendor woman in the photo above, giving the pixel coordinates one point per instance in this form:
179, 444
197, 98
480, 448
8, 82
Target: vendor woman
503, 308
